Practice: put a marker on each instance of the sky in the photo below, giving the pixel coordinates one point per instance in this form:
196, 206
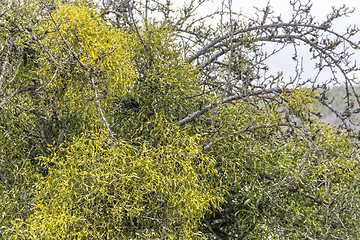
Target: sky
319, 9
282, 7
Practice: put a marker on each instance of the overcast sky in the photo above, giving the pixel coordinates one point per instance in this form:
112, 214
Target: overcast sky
320, 7
282, 7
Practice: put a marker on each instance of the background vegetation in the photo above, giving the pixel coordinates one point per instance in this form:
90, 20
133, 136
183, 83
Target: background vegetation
337, 94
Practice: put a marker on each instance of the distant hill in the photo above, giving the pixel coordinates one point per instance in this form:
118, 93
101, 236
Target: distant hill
337, 96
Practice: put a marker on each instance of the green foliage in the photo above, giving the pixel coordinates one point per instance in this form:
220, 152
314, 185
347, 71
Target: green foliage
286, 181
114, 134
163, 78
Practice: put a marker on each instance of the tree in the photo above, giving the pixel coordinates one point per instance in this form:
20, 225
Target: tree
119, 125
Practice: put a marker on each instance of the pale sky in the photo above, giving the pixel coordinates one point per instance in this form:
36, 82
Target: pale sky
282, 62
319, 10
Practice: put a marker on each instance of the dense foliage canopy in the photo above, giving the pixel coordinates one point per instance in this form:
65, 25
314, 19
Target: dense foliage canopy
133, 120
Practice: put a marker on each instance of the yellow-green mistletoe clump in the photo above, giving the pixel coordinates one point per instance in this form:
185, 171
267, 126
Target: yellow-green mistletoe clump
98, 191
86, 64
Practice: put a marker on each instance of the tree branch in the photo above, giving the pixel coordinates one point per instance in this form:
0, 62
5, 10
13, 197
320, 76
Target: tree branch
196, 114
